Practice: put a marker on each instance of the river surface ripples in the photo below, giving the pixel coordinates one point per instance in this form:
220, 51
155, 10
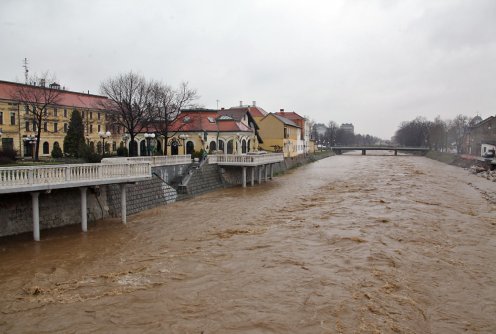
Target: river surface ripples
349, 244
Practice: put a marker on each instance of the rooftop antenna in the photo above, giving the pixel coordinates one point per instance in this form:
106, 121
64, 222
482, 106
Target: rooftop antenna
26, 70
217, 104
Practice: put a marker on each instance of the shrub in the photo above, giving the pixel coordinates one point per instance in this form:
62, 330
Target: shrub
88, 155
57, 151
7, 155
122, 151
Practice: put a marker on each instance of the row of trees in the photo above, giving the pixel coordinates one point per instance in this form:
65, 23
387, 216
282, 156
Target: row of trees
439, 135
134, 103
336, 136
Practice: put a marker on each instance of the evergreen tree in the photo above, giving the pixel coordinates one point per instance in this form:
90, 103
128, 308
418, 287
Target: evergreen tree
57, 151
74, 139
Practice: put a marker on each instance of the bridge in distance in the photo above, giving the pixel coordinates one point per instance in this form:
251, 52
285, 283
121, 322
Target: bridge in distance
364, 149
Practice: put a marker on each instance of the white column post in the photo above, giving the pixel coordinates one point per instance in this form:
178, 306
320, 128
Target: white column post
36, 216
259, 174
244, 176
123, 203
84, 216
271, 171
253, 176
266, 171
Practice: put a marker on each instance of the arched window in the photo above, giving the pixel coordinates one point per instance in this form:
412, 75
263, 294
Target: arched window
99, 147
46, 148
159, 147
243, 146
143, 148
230, 147
190, 147
212, 146
249, 145
92, 147
133, 148
221, 146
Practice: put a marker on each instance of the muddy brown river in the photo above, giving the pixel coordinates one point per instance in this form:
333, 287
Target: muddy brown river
349, 244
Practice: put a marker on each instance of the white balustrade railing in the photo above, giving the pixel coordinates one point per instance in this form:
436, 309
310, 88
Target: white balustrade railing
39, 175
245, 160
168, 160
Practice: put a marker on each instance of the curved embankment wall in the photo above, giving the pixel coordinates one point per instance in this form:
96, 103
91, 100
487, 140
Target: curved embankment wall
63, 207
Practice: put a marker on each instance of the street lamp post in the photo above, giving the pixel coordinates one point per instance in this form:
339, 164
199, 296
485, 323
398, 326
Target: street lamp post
184, 137
104, 135
149, 137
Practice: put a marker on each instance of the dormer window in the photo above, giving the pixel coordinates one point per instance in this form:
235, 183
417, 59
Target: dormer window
211, 119
186, 119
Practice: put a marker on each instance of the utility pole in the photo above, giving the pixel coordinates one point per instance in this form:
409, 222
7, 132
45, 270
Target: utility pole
26, 70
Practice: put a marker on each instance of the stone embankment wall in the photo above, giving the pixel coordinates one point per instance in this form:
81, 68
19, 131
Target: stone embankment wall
232, 176
57, 208
203, 179
63, 207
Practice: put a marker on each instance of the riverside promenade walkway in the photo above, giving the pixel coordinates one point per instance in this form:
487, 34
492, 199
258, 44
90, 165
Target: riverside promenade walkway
262, 162
38, 179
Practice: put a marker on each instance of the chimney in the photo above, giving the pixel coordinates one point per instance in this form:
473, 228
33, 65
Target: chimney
254, 103
222, 108
240, 103
281, 110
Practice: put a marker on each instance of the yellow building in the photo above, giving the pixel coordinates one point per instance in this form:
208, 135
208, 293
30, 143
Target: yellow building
214, 131
18, 128
279, 134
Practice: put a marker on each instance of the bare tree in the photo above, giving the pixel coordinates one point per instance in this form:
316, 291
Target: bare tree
36, 98
131, 103
167, 105
456, 130
331, 133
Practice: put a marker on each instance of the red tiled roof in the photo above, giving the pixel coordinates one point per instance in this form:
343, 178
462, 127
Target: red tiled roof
290, 115
203, 120
254, 111
66, 98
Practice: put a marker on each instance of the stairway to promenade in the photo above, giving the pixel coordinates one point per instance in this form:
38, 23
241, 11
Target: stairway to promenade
200, 179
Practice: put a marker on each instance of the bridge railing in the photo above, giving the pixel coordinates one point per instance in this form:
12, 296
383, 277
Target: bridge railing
40, 175
245, 160
153, 160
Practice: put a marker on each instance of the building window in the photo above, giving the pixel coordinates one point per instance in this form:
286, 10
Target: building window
27, 125
65, 112
12, 118
45, 126
91, 128
99, 128
1, 117
35, 126
65, 127
82, 114
55, 112
45, 112
46, 148
114, 146
55, 127
99, 116
91, 114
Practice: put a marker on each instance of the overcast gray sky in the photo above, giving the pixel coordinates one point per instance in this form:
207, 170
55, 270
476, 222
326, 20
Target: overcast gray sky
373, 63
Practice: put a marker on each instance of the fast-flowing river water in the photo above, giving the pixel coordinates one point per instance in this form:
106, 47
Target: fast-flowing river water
349, 244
